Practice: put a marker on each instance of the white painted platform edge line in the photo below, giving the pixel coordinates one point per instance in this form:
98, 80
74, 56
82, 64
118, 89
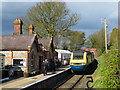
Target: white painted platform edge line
43, 79
4, 79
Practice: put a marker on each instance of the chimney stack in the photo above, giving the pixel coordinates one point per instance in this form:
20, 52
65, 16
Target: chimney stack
31, 29
17, 26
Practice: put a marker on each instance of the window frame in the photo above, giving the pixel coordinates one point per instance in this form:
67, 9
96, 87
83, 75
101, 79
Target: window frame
32, 59
79, 55
24, 59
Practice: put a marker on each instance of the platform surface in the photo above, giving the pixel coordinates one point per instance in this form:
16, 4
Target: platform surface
23, 82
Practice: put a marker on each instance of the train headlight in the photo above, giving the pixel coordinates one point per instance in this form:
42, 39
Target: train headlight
72, 63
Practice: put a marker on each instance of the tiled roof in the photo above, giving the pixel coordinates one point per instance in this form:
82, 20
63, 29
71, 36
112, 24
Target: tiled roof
45, 42
17, 41
90, 49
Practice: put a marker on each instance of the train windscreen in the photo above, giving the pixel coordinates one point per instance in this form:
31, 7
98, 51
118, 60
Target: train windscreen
77, 56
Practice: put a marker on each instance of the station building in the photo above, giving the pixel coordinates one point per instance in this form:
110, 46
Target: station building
48, 47
2, 61
26, 52
22, 52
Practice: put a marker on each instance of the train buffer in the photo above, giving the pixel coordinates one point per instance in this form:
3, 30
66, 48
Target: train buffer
26, 82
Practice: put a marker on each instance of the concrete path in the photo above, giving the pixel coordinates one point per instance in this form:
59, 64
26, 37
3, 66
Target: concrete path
22, 82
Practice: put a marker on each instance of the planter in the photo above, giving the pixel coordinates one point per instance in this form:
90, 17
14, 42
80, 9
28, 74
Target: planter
26, 74
4, 73
19, 73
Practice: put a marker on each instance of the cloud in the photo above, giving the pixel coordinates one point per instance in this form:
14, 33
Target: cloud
15, 9
60, 0
91, 14
86, 31
11, 11
113, 19
113, 15
0, 8
0, 18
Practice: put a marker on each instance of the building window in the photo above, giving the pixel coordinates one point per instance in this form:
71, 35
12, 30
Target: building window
2, 65
32, 59
19, 62
2, 61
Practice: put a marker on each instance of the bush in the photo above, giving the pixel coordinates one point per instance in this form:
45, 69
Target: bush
111, 71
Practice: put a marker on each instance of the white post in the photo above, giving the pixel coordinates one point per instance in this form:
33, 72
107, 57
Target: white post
105, 35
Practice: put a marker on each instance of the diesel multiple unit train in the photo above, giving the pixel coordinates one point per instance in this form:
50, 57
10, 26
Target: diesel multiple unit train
80, 60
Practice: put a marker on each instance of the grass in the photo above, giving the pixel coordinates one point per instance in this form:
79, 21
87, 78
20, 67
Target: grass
97, 76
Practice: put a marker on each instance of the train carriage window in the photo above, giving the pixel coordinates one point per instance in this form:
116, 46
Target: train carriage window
92, 57
89, 58
77, 56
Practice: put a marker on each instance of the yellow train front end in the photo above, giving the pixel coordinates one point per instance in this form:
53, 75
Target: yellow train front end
78, 61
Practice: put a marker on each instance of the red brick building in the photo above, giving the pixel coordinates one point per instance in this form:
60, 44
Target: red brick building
22, 52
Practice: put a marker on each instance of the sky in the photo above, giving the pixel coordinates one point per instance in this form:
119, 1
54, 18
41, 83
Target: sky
91, 14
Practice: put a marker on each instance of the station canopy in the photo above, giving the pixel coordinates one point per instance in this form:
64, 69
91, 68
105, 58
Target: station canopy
63, 51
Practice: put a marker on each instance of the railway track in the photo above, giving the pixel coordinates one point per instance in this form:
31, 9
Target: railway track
72, 83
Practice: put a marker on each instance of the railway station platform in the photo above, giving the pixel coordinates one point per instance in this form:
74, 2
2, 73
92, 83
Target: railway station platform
26, 82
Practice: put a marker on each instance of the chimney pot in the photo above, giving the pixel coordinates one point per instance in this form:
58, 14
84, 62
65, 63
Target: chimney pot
31, 29
17, 26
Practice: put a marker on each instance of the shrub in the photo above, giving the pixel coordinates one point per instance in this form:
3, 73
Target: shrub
111, 71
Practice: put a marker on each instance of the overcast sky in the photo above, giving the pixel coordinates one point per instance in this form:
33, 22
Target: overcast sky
90, 14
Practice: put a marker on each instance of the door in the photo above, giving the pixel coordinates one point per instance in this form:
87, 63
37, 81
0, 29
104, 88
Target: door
40, 60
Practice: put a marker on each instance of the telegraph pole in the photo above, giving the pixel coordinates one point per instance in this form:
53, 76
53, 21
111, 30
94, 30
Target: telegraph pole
105, 35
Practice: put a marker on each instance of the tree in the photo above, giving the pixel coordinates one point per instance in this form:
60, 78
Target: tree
65, 39
50, 19
97, 40
92, 41
114, 38
77, 40
57, 40
101, 40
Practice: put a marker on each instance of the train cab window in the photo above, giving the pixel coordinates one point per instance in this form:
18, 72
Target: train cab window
77, 56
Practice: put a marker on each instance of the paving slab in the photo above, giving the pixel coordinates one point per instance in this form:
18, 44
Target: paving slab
22, 82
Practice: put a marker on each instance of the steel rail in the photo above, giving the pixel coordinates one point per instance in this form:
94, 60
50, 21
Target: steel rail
77, 82
67, 83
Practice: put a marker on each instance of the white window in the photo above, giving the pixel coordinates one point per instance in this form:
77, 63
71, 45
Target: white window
19, 62
2, 64
2, 61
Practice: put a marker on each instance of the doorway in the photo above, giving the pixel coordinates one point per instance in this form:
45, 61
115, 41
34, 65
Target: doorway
40, 61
